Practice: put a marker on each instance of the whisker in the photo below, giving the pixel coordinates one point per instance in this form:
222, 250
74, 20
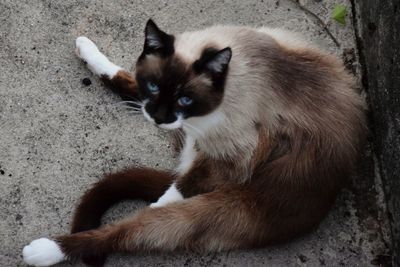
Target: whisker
134, 112
180, 135
129, 103
130, 107
191, 127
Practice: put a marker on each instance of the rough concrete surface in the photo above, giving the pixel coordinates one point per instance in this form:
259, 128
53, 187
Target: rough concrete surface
58, 136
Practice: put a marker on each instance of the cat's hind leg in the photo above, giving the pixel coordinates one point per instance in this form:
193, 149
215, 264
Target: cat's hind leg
120, 81
214, 221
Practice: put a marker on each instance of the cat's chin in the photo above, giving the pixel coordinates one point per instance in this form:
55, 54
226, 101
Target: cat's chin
167, 126
171, 126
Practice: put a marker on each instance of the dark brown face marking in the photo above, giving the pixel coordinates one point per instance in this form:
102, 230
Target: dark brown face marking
157, 41
173, 88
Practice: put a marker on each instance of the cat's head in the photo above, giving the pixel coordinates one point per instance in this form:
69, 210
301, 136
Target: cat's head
173, 89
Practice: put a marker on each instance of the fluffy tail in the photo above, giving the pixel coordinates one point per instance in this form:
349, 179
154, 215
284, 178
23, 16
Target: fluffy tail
139, 183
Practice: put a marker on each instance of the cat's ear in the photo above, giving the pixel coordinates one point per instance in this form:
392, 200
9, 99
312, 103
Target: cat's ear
213, 61
219, 62
157, 41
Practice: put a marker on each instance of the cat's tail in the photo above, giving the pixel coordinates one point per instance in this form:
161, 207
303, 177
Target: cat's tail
120, 81
137, 183
215, 221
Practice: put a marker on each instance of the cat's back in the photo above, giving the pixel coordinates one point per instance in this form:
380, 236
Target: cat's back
190, 45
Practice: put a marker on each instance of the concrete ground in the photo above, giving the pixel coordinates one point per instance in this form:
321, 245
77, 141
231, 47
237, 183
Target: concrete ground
58, 136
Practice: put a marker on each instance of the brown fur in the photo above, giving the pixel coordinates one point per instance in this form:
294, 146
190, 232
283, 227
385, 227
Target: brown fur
138, 183
263, 177
123, 84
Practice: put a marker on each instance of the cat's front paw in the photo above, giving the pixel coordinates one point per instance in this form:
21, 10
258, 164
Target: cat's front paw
85, 48
96, 61
42, 252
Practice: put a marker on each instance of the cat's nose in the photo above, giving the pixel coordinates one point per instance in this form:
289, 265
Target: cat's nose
159, 115
157, 120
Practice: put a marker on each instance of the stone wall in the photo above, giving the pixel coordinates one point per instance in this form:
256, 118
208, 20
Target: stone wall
379, 45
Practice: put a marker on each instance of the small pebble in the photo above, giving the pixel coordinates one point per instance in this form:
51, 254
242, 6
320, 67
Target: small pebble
86, 81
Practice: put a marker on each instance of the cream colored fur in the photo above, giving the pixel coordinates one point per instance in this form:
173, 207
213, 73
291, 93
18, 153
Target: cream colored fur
246, 86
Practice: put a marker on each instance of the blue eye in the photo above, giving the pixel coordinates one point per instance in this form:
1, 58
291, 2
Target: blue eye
153, 88
185, 101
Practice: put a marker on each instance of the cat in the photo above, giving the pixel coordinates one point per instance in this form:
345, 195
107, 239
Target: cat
272, 128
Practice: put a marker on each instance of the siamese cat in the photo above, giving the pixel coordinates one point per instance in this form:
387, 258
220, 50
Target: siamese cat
272, 129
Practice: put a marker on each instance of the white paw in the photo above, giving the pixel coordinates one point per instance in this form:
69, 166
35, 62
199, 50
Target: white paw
85, 47
42, 252
154, 205
170, 196
96, 61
